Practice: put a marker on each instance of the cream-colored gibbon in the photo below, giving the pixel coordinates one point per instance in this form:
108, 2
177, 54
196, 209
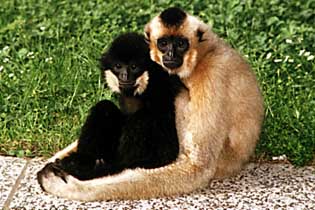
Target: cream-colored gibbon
218, 119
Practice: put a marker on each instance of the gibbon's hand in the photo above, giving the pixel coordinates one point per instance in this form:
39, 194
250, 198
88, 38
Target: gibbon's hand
51, 168
53, 180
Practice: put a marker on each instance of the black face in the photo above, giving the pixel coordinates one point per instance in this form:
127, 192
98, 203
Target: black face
173, 49
127, 58
127, 75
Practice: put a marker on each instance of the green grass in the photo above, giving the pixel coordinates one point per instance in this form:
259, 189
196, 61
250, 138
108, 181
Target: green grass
49, 76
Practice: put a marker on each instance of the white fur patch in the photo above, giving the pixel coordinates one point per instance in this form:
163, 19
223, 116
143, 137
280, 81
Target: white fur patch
188, 136
112, 81
142, 83
189, 64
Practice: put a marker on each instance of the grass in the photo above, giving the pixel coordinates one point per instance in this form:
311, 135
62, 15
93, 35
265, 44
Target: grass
49, 76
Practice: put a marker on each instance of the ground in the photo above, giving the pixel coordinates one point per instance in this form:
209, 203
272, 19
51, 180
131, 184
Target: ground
258, 186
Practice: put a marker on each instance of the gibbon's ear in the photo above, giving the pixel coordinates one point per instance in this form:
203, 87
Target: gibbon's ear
200, 34
147, 31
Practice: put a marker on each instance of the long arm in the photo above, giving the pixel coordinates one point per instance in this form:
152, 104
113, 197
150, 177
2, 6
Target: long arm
179, 177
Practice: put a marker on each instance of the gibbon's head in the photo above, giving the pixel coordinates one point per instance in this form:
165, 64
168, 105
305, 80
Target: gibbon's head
177, 40
125, 64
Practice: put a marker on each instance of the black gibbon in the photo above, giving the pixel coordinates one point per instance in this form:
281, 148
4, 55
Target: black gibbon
141, 133
218, 117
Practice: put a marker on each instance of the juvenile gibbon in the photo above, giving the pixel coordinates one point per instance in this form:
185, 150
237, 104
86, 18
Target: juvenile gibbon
218, 119
141, 133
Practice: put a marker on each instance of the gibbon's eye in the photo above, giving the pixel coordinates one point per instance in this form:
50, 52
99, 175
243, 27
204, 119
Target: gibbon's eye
133, 67
182, 44
117, 66
162, 44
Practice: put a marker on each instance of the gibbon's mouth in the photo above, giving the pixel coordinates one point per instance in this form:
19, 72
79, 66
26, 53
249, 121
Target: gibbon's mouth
172, 64
126, 83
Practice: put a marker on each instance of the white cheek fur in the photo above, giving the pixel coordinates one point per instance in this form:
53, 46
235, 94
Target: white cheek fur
142, 83
112, 81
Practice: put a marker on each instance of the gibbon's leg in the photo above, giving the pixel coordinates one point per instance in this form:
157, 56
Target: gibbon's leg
96, 146
246, 121
101, 131
94, 126
237, 149
152, 143
133, 150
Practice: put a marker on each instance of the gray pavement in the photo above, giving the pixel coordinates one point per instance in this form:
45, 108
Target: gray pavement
258, 186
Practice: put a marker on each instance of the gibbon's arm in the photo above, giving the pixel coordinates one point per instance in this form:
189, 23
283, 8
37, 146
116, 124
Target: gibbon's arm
194, 167
64, 152
180, 177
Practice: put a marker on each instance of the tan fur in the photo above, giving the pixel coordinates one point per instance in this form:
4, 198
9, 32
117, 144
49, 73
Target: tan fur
221, 87
218, 121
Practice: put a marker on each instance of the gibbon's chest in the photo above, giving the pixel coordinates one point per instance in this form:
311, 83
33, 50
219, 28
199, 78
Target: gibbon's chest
130, 105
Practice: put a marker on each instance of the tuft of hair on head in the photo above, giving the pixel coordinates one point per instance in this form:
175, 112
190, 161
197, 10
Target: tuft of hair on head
173, 17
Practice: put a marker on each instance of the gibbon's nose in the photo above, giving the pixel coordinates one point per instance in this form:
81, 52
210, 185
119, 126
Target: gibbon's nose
123, 76
170, 53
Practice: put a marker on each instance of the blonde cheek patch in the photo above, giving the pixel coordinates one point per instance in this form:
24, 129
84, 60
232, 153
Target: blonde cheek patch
142, 83
189, 64
155, 55
112, 81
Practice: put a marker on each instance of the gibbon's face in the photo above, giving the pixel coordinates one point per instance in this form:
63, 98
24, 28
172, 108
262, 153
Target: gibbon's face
126, 78
173, 49
174, 37
125, 65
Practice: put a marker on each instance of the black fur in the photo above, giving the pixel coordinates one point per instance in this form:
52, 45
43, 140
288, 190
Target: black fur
200, 35
173, 17
126, 47
110, 140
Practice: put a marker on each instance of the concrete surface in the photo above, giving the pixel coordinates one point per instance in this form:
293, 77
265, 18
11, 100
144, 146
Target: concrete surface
259, 186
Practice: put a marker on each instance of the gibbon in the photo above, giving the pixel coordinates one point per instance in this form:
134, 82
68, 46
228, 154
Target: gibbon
218, 119
142, 133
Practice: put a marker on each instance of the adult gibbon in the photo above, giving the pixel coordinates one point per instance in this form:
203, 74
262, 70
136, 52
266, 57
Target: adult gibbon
141, 133
218, 119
